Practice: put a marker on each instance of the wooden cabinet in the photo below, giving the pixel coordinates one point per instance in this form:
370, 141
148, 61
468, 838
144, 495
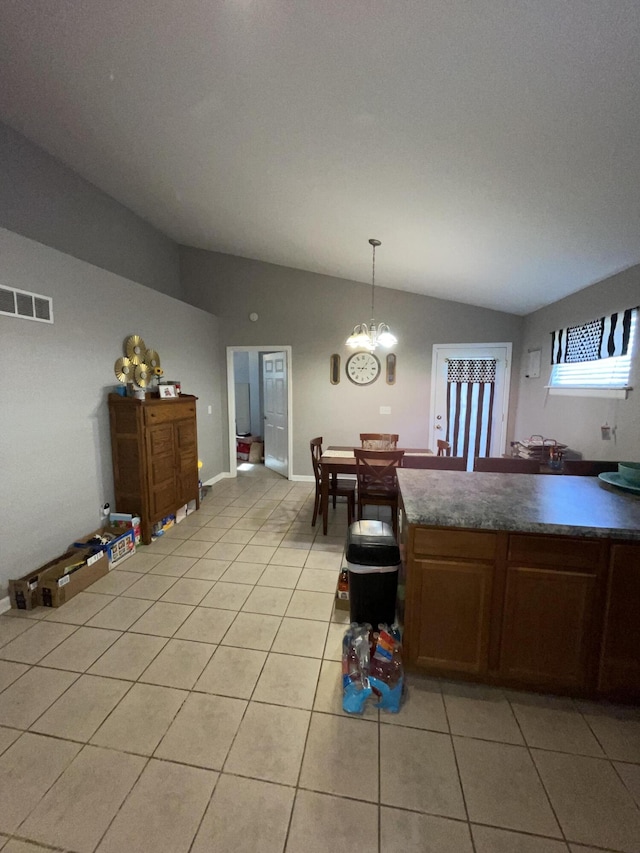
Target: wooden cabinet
619, 672
549, 616
544, 612
449, 591
155, 456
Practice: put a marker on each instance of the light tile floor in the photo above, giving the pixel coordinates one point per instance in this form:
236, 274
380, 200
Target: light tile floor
191, 701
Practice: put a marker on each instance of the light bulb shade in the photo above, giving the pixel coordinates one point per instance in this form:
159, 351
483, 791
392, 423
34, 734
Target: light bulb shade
369, 336
359, 337
385, 337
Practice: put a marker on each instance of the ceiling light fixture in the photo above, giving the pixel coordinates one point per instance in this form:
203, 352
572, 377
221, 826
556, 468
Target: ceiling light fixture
368, 335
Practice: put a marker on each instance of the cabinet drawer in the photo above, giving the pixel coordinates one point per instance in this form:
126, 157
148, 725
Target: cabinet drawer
564, 553
466, 544
168, 411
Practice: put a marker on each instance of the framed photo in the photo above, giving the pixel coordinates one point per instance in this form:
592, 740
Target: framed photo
167, 390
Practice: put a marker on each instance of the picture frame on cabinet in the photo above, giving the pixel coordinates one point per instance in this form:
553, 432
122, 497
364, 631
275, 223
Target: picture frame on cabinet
167, 391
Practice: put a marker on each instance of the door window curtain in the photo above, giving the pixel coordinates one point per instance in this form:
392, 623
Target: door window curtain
470, 393
603, 338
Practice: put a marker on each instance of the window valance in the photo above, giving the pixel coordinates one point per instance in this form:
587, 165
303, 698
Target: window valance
608, 336
471, 370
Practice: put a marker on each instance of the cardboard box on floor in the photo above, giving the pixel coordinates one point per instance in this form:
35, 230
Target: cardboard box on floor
26, 592
118, 549
23, 592
66, 578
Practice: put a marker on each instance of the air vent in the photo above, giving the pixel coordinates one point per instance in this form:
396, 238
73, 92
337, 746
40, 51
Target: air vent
29, 306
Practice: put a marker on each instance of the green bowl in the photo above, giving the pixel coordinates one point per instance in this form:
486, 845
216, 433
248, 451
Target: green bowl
630, 472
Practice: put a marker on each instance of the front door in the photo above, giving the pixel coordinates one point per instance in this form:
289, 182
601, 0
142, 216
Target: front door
470, 398
275, 393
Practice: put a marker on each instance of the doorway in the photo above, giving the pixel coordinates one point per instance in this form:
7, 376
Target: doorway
470, 398
274, 425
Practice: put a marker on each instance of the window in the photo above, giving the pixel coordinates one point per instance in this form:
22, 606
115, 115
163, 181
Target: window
603, 377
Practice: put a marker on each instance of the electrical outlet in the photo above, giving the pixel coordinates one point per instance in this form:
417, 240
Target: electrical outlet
209, 410
385, 410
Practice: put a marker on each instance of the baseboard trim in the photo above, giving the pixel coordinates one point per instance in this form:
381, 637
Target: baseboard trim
294, 478
223, 476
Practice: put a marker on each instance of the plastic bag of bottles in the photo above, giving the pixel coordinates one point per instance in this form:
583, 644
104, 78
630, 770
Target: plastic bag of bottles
355, 668
372, 668
386, 675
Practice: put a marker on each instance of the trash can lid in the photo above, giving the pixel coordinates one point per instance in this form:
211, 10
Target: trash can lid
372, 543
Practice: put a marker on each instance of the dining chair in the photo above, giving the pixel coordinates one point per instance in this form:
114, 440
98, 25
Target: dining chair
378, 440
376, 473
339, 487
506, 465
444, 448
441, 463
587, 467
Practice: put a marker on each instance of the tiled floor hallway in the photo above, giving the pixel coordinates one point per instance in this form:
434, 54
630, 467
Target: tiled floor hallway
190, 701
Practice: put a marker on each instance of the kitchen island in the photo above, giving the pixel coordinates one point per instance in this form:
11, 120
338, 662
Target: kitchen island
522, 580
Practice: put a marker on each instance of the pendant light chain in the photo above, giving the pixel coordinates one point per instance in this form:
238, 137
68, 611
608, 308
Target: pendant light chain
373, 278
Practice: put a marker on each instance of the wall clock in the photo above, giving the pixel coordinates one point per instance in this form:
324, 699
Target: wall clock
363, 368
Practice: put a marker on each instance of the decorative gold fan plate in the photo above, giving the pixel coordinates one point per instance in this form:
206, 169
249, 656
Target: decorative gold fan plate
136, 349
123, 370
143, 375
152, 359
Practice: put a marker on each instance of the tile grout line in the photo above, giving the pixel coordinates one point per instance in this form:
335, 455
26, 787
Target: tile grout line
539, 775
455, 758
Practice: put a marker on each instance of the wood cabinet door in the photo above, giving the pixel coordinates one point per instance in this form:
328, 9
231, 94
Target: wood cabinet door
161, 472
452, 602
620, 657
186, 449
546, 632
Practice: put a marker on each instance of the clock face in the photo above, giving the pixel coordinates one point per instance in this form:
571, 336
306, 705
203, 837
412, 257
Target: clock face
363, 368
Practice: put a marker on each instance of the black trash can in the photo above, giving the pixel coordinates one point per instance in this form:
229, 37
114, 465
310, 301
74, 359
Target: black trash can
373, 560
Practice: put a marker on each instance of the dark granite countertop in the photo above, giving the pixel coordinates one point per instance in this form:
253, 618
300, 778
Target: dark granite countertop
529, 503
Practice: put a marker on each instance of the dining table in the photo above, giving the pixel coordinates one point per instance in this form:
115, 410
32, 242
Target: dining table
341, 460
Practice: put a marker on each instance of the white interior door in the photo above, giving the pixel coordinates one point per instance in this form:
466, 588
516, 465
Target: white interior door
275, 393
470, 398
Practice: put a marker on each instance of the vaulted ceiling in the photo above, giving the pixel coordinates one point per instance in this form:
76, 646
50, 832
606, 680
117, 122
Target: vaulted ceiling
491, 145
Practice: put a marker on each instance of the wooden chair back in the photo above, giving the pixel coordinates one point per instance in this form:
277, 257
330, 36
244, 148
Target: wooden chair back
587, 467
316, 452
506, 465
376, 471
444, 448
441, 463
378, 440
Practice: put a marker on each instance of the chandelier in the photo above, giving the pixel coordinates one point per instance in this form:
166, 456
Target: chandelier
368, 335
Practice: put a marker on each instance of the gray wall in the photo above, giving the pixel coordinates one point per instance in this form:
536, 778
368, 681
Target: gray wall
576, 421
43, 199
314, 314
54, 426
